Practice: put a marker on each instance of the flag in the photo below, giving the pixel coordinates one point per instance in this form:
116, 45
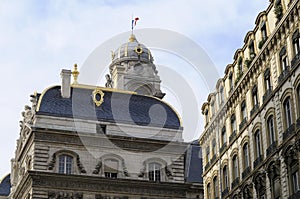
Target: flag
133, 22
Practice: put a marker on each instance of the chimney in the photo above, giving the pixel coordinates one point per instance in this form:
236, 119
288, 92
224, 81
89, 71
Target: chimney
65, 83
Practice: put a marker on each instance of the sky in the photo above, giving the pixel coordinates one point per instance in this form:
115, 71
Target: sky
39, 38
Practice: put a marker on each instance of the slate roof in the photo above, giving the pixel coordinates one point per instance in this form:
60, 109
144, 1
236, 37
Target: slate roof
117, 107
194, 163
5, 186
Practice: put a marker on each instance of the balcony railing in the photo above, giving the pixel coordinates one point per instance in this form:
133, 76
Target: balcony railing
235, 183
207, 166
223, 147
213, 159
284, 74
246, 172
289, 131
272, 148
295, 60
295, 195
257, 161
243, 123
267, 94
232, 136
254, 110
225, 192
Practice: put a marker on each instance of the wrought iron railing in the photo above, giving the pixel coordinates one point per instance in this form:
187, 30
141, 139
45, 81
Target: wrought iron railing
254, 110
284, 74
267, 94
223, 147
232, 136
272, 148
243, 123
289, 131
235, 183
246, 172
295, 60
257, 161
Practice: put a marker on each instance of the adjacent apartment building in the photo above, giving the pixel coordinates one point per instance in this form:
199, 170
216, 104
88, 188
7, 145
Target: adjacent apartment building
251, 141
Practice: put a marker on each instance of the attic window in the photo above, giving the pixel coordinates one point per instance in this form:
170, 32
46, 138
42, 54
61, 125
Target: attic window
101, 129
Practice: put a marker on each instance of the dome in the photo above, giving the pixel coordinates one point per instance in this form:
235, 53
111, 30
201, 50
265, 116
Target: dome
132, 51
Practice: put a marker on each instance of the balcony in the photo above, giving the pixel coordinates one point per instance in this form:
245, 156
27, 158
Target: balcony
285, 73
246, 172
289, 131
235, 183
254, 110
258, 161
295, 60
272, 148
207, 166
232, 136
213, 159
267, 94
225, 192
295, 195
224, 146
243, 123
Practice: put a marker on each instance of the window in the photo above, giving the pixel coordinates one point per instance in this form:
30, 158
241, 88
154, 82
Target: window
298, 98
283, 59
233, 123
243, 110
263, 30
251, 49
230, 81
65, 164
246, 155
214, 149
208, 191
213, 108
207, 154
254, 96
206, 116
216, 188
258, 143
235, 167
267, 80
221, 95
271, 130
111, 168
296, 42
225, 177
288, 112
240, 66
224, 135
154, 172
295, 181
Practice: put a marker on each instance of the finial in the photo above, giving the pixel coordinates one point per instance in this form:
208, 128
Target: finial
75, 74
132, 38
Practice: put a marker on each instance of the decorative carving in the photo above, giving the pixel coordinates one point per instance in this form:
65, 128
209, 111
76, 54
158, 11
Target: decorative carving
64, 195
109, 82
98, 96
125, 171
98, 167
260, 182
168, 172
52, 162
290, 155
274, 170
142, 171
79, 165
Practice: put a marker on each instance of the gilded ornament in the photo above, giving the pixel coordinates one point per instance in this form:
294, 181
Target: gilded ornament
96, 94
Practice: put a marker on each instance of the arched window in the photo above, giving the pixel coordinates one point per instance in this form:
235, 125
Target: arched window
111, 168
246, 156
65, 164
267, 76
254, 96
208, 191
296, 43
243, 110
257, 138
240, 66
224, 139
283, 59
216, 187
154, 172
230, 81
225, 178
288, 112
235, 167
207, 154
271, 129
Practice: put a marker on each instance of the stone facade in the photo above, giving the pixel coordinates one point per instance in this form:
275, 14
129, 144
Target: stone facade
250, 144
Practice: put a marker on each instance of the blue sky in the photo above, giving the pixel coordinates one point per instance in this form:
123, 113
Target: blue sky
39, 38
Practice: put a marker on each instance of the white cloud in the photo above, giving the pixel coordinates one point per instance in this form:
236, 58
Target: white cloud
38, 38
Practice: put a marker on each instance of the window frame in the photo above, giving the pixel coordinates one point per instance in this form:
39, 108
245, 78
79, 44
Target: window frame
65, 164
257, 142
155, 175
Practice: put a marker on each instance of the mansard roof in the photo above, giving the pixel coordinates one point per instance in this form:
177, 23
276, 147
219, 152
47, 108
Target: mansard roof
117, 107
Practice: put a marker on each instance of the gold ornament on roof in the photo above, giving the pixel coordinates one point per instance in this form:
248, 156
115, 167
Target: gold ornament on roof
138, 50
98, 96
75, 74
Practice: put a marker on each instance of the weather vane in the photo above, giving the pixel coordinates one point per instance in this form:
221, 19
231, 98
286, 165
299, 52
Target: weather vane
133, 23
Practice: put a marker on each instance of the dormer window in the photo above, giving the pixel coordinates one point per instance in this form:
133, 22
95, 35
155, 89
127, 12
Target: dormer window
240, 66
251, 49
111, 168
283, 59
206, 116
263, 30
230, 81
296, 42
254, 96
221, 95
154, 172
65, 164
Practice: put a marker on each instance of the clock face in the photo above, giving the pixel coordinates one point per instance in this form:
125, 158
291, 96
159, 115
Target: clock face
138, 68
